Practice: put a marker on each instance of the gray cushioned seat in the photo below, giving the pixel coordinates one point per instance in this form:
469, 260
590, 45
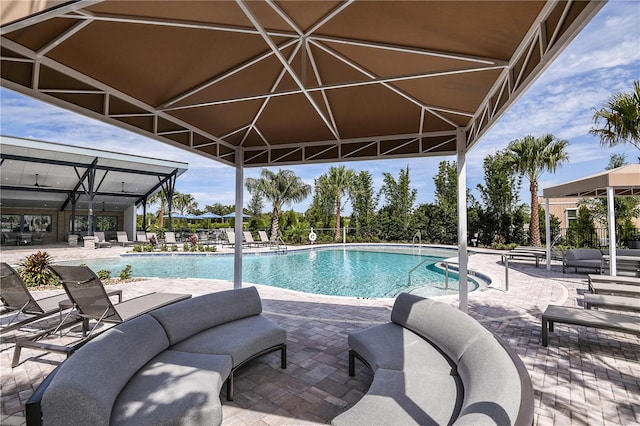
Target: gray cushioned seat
240, 339
174, 388
83, 391
487, 370
406, 398
394, 347
207, 311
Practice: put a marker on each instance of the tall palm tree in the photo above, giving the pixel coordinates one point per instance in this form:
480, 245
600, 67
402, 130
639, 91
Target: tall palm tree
280, 189
621, 119
530, 157
160, 198
184, 202
335, 184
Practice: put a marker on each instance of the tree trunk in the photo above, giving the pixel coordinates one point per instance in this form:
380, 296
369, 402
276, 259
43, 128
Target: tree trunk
161, 216
275, 224
534, 225
337, 235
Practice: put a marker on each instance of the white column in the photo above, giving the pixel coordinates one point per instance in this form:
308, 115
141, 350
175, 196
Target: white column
237, 259
547, 224
463, 257
612, 231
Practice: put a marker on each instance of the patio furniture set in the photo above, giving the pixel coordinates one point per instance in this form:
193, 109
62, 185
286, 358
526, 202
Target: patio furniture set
605, 292
627, 261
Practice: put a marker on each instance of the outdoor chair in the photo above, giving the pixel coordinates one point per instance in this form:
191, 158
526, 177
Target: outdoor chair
248, 238
17, 298
88, 295
170, 238
101, 240
123, 239
37, 239
9, 238
141, 237
264, 238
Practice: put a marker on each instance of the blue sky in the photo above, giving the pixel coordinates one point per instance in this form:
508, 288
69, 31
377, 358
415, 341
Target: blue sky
602, 60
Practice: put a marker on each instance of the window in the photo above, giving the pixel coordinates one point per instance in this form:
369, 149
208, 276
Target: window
26, 223
570, 215
103, 223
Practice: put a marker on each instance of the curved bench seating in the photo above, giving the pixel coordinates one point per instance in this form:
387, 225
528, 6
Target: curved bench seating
164, 367
434, 364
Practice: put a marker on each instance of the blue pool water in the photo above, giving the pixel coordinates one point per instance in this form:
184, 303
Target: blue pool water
339, 272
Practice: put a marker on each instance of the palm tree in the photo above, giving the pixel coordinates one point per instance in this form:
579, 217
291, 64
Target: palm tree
531, 157
160, 198
184, 202
335, 184
280, 189
621, 119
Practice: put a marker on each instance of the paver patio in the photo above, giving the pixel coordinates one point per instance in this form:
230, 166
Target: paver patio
584, 376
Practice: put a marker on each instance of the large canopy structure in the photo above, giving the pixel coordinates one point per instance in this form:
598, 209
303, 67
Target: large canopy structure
619, 182
269, 83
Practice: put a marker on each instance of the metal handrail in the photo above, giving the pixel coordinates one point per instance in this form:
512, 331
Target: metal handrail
419, 265
279, 241
419, 235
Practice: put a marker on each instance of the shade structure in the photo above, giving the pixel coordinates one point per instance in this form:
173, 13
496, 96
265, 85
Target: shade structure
233, 215
622, 182
270, 83
208, 215
288, 82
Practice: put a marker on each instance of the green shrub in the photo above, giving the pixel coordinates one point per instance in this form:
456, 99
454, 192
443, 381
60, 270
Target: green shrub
103, 274
164, 247
185, 246
34, 270
174, 248
125, 273
200, 247
148, 247
137, 248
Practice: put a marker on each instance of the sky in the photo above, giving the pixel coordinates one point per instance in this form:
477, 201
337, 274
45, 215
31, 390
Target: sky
602, 60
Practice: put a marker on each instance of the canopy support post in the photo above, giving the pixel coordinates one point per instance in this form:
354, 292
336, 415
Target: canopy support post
612, 231
463, 256
237, 258
547, 224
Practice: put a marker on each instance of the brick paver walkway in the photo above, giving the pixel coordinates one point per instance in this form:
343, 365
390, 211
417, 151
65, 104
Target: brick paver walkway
585, 376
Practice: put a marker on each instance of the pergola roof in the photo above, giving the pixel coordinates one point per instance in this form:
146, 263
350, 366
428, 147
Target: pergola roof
624, 180
38, 174
289, 82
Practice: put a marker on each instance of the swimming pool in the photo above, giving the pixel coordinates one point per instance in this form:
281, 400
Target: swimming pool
357, 272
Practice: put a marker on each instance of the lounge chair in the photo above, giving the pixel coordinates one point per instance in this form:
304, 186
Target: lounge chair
123, 239
264, 238
17, 298
588, 318
170, 238
101, 241
231, 239
248, 239
141, 237
86, 292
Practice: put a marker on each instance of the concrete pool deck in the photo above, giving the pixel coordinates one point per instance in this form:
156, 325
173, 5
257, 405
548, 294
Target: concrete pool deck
584, 376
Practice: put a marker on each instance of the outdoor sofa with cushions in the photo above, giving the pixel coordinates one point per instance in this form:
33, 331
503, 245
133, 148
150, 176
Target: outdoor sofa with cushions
587, 258
164, 367
434, 364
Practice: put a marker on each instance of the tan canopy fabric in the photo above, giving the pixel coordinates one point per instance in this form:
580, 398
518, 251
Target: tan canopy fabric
625, 181
289, 82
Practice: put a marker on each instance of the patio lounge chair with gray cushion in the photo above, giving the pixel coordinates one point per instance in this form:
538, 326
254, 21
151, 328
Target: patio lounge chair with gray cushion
86, 292
170, 238
141, 237
123, 239
264, 238
17, 298
101, 241
9, 238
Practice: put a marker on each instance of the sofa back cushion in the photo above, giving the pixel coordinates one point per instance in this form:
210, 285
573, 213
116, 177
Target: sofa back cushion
87, 384
184, 319
448, 328
583, 254
493, 388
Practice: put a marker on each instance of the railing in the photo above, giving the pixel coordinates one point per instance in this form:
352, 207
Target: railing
280, 242
599, 238
446, 271
416, 267
418, 235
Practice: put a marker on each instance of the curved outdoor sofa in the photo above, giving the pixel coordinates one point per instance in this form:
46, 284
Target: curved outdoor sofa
434, 364
164, 367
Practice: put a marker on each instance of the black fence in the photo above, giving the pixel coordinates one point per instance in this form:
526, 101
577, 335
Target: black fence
599, 238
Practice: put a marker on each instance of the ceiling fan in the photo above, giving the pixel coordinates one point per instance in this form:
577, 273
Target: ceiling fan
37, 185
